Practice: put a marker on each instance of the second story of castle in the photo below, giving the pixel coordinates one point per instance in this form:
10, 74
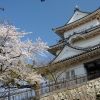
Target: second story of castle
79, 35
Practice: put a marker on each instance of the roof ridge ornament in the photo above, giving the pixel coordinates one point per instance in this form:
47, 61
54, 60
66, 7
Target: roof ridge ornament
76, 8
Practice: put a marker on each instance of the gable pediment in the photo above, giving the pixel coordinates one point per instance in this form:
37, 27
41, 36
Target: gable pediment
67, 52
77, 15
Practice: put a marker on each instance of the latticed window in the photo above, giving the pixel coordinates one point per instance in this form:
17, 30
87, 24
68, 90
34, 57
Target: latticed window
68, 75
72, 74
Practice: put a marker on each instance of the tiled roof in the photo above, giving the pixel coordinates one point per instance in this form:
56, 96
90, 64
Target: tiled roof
77, 21
90, 50
53, 49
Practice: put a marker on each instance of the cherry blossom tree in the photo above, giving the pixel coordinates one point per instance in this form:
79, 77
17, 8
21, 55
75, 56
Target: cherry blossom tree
15, 53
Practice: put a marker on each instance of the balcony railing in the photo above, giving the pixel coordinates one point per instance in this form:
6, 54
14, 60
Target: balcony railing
48, 87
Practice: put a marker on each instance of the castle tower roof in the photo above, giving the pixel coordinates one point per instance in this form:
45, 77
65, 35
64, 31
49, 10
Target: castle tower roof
79, 17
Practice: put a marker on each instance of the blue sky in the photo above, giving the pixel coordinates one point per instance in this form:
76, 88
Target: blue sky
40, 17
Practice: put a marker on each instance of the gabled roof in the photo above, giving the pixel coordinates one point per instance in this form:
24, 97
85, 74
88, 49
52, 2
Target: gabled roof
77, 15
73, 59
89, 32
83, 53
76, 21
74, 37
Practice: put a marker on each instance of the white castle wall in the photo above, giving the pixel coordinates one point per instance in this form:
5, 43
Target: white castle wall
58, 52
82, 27
77, 15
67, 51
88, 42
79, 71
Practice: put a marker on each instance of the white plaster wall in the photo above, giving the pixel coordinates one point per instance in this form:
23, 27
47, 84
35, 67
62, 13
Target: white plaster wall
82, 27
77, 15
58, 52
67, 52
63, 75
88, 42
78, 69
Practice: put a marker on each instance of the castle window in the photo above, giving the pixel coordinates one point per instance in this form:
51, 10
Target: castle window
72, 74
68, 75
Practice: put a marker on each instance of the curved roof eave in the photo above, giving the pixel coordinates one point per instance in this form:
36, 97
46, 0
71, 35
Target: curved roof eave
58, 54
78, 54
55, 29
55, 46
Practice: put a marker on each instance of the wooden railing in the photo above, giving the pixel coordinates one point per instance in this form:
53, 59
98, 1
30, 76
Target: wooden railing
46, 88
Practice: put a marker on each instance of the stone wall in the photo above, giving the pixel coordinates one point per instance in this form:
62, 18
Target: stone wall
86, 91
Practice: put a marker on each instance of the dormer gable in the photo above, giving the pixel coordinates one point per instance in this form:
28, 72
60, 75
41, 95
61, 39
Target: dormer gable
78, 14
